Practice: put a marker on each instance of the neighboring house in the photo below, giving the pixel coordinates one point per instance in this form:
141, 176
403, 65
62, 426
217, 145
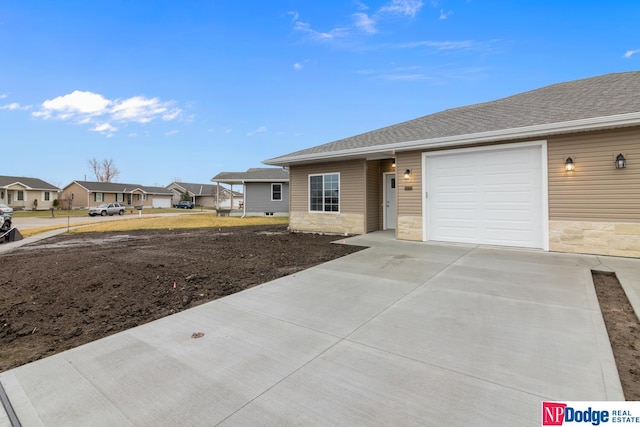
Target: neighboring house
84, 194
537, 169
266, 190
20, 192
206, 195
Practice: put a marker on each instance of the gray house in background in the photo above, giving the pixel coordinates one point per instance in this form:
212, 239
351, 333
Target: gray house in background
266, 190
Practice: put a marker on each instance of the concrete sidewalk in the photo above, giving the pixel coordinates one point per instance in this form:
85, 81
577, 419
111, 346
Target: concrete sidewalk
398, 334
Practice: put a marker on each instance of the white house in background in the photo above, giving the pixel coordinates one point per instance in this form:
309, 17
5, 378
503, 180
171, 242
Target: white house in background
20, 192
266, 190
206, 195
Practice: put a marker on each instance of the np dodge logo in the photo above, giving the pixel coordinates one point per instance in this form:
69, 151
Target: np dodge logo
589, 413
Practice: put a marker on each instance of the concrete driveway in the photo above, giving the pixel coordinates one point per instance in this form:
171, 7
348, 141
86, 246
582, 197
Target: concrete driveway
398, 334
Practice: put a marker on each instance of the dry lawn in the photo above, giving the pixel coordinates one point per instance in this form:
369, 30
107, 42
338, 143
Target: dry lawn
179, 222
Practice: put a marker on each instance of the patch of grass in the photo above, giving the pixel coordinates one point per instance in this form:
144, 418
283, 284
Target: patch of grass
47, 213
176, 222
33, 231
84, 212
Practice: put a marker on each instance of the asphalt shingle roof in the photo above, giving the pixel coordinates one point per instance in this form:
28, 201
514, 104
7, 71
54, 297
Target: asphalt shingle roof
202, 189
254, 175
118, 187
593, 97
34, 183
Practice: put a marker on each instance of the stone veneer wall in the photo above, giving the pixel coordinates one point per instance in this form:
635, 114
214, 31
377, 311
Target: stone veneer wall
409, 227
327, 222
600, 238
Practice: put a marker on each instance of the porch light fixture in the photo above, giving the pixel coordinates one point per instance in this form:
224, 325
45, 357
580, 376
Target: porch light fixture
407, 173
621, 162
569, 165
393, 162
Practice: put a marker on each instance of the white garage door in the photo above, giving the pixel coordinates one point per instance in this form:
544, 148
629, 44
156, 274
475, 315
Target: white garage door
491, 196
161, 202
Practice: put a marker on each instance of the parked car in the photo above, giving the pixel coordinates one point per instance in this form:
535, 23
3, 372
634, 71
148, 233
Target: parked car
107, 209
4, 209
184, 205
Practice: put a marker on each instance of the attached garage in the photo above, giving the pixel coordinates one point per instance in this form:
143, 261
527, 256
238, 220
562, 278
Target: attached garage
554, 168
161, 202
487, 195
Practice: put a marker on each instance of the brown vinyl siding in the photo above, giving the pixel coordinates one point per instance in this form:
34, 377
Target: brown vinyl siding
373, 196
409, 201
80, 197
596, 190
352, 185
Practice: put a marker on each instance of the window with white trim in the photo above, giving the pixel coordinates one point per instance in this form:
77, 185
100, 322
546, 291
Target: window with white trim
119, 197
98, 197
276, 192
47, 196
324, 192
20, 195
142, 196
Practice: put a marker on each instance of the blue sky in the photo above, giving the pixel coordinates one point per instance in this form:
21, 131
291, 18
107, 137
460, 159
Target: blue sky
187, 89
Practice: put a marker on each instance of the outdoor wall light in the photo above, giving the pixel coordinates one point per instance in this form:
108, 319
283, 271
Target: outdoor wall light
393, 162
569, 165
621, 162
407, 173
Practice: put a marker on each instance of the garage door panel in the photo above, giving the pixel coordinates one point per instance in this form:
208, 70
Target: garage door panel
491, 197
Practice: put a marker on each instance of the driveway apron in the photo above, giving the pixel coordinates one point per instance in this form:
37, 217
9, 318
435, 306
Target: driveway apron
401, 333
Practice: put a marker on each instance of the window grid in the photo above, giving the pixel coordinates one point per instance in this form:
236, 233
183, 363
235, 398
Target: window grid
324, 193
276, 192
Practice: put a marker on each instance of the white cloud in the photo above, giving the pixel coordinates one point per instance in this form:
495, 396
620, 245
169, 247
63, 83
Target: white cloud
360, 5
405, 77
298, 66
104, 128
630, 53
362, 22
365, 23
445, 15
171, 132
3, 95
142, 110
261, 129
88, 108
438, 45
336, 33
14, 106
77, 103
402, 7
294, 15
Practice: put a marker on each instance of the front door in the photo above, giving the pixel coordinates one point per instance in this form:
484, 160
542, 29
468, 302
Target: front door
390, 201
128, 199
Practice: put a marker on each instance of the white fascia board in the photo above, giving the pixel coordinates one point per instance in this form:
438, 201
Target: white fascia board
618, 120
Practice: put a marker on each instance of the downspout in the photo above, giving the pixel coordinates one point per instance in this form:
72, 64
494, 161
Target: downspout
244, 199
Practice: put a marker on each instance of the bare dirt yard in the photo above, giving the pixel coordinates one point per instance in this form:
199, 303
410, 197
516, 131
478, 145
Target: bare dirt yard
73, 289
623, 328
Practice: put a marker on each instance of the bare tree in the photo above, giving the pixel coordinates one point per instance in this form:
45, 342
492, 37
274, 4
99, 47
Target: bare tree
105, 170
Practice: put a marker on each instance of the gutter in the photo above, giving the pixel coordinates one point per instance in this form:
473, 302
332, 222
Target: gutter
618, 120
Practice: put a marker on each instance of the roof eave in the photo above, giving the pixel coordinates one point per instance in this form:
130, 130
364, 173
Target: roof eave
596, 123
